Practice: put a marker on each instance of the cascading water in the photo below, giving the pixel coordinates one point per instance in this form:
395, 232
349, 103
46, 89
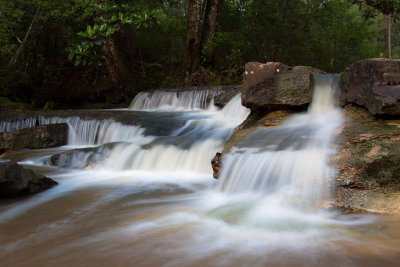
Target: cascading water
82, 132
188, 149
173, 100
289, 162
151, 200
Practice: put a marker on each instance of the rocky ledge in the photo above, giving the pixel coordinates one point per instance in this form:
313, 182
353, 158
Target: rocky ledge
44, 136
368, 163
374, 84
15, 180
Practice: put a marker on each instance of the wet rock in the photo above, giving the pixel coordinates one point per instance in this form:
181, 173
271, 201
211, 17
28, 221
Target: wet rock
216, 165
82, 158
374, 84
45, 136
229, 92
16, 180
274, 86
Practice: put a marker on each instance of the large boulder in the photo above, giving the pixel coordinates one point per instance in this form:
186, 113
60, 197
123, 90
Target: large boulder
374, 84
16, 180
44, 136
274, 86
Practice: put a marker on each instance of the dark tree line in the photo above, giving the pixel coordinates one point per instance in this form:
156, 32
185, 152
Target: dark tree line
55, 52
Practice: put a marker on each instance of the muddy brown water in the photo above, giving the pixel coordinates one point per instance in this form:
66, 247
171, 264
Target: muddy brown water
119, 219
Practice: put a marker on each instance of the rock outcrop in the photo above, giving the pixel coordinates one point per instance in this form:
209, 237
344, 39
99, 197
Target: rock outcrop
274, 86
368, 163
44, 136
374, 84
16, 180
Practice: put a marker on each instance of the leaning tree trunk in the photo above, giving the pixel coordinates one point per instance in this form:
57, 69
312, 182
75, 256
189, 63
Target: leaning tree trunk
115, 65
211, 18
22, 44
193, 35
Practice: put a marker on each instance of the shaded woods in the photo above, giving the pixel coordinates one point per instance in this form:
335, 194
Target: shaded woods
76, 53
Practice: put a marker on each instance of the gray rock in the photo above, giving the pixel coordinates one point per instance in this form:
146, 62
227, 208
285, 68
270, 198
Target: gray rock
229, 92
81, 158
45, 136
374, 84
16, 180
274, 86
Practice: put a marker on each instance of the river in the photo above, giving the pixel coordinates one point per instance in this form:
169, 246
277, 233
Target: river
142, 193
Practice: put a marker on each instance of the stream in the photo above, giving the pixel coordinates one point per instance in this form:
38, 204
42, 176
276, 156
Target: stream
150, 199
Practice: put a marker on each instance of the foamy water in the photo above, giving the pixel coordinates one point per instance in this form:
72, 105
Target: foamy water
151, 201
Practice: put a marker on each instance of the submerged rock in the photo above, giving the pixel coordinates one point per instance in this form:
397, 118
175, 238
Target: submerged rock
374, 84
44, 136
16, 180
273, 86
82, 158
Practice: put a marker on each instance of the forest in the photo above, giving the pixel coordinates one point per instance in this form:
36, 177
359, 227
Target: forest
101, 53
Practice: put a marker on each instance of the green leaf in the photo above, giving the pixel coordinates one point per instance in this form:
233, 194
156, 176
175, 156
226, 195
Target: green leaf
71, 56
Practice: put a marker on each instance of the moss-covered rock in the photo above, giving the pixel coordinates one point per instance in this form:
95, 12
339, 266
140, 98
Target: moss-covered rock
368, 162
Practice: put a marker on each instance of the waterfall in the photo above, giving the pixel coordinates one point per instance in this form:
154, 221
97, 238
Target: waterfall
289, 162
188, 149
173, 100
8, 126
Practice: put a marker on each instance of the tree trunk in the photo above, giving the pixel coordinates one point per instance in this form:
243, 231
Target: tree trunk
193, 35
390, 36
15, 57
211, 18
115, 65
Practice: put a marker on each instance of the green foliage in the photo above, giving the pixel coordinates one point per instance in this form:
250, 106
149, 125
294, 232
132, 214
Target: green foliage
62, 59
108, 18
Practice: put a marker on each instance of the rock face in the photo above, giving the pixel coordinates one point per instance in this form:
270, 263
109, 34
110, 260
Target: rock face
368, 163
45, 136
229, 92
374, 84
273, 86
16, 180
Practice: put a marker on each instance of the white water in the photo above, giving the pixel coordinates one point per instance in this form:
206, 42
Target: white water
174, 100
155, 203
82, 132
188, 149
288, 165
